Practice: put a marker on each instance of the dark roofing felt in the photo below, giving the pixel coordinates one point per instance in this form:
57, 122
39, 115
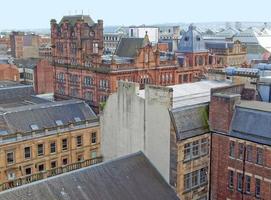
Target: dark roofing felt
72, 19
252, 121
132, 177
190, 121
44, 115
128, 47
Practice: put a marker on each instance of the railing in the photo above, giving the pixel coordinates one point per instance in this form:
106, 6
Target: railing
49, 173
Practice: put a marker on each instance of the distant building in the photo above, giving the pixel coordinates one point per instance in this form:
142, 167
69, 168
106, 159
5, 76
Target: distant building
24, 45
39, 136
36, 72
82, 72
45, 52
140, 32
9, 72
171, 36
130, 177
229, 53
111, 41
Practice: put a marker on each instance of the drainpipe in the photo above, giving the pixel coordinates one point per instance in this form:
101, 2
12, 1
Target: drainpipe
210, 165
244, 170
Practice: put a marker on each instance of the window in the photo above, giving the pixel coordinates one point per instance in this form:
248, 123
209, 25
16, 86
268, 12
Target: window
241, 151
88, 81
80, 158
249, 153
52, 147
89, 96
195, 148
187, 183
28, 171
259, 156
232, 145
194, 178
40, 149
95, 48
93, 154
248, 184
231, 176
187, 151
41, 168
239, 182
79, 141
64, 161
203, 175
53, 164
10, 157
258, 187
204, 146
64, 144
11, 176
27, 152
93, 138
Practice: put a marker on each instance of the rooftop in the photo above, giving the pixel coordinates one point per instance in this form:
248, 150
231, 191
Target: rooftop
72, 19
252, 121
131, 177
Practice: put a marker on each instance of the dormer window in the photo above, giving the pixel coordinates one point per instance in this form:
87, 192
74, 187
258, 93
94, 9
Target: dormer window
34, 127
186, 38
198, 38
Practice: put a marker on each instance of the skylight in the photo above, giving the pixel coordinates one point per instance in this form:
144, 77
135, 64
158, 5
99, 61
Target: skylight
34, 127
77, 119
59, 122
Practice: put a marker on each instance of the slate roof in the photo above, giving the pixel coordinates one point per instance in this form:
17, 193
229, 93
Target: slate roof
128, 47
192, 41
219, 45
44, 115
190, 121
30, 63
252, 121
72, 19
131, 177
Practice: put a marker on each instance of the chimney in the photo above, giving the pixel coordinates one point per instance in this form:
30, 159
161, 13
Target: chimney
221, 111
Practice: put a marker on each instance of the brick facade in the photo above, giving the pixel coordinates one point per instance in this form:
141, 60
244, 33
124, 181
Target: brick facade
80, 72
9, 72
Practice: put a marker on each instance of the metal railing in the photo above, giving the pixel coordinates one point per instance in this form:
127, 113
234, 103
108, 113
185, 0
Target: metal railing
49, 173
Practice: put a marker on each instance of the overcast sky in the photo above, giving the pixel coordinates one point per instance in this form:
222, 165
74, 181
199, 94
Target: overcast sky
21, 14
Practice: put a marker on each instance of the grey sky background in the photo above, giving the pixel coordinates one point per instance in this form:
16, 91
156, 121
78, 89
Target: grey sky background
21, 14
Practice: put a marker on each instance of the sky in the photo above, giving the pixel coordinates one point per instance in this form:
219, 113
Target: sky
32, 14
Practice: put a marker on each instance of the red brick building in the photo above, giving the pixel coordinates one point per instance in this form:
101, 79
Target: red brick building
44, 77
9, 72
240, 145
81, 70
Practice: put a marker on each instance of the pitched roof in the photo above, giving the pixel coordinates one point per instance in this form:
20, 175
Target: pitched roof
252, 121
192, 41
72, 19
190, 121
131, 177
45, 115
128, 47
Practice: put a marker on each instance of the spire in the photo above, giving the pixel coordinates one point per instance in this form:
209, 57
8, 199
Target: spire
146, 40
